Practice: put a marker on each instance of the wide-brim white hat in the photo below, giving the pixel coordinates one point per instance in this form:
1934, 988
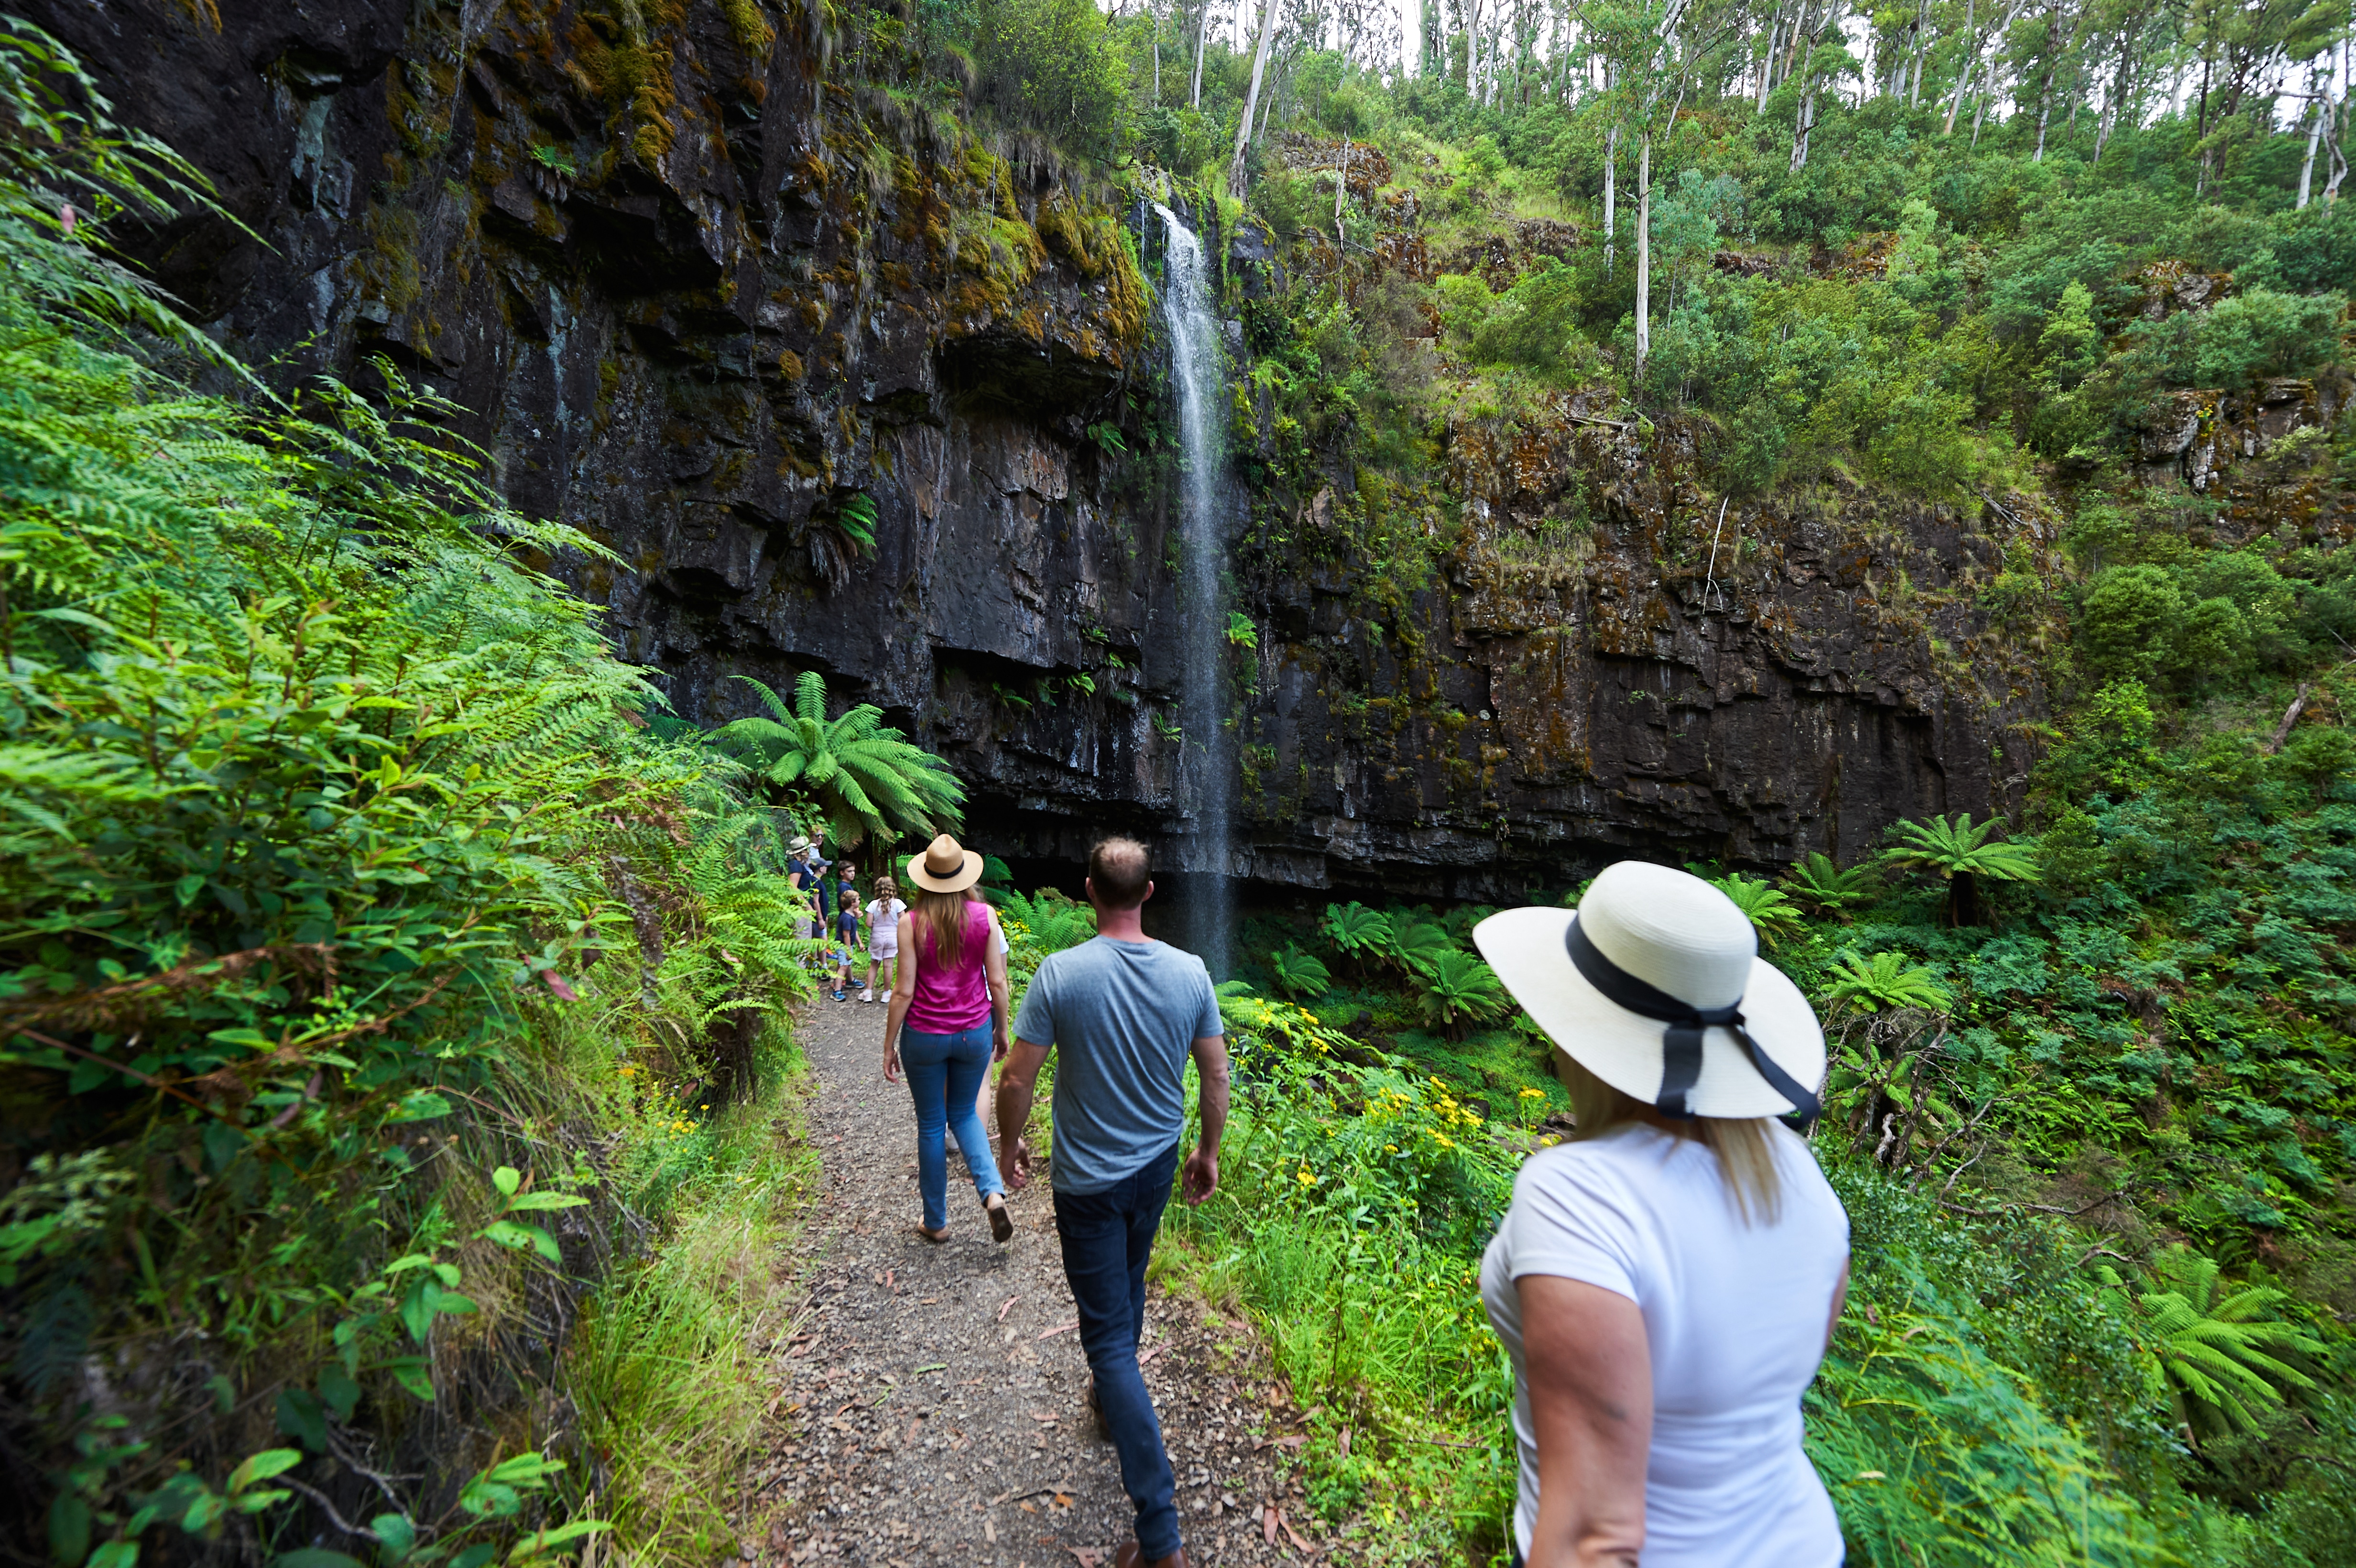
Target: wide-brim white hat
1676, 934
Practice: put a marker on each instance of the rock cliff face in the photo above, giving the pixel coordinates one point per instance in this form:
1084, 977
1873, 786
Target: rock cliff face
720, 307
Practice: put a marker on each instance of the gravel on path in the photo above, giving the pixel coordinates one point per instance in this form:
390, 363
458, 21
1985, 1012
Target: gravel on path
932, 1401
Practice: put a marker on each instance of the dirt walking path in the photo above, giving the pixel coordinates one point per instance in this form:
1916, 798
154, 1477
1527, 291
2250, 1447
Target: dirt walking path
932, 1402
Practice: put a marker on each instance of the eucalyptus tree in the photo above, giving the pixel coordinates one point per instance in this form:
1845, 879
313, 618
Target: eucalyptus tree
1647, 49
2324, 54
1819, 61
1252, 99
1975, 51
2241, 45
2132, 36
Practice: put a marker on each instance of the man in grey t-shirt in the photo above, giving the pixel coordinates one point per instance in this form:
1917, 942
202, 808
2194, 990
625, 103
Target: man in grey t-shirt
1126, 1011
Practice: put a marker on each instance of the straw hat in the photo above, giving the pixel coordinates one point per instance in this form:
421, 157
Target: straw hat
1656, 987
799, 843
944, 867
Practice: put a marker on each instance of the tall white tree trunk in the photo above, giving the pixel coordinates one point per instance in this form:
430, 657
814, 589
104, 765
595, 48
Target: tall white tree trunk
1800, 25
1644, 256
1964, 77
2314, 139
1610, 191
2045, 83
1767, 60
1202, 36
1252, 99
1921, 54
1340, 189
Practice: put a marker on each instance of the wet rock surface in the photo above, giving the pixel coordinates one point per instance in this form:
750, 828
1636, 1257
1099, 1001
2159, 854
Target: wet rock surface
931, 1408
702, 294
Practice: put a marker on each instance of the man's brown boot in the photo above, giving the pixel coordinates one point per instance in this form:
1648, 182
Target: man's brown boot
1132, 1555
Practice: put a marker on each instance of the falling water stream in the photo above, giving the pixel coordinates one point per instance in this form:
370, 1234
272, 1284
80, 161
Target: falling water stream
1208, 766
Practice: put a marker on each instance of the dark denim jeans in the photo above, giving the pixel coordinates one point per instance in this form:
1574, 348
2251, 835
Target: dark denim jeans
945, 1073
1107, 1238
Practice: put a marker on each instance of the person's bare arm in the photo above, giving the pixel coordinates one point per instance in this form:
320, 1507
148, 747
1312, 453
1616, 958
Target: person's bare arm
1002, 1003
903, 992
1017, 1081
1591, 1381
1840, 1300
1201, 1176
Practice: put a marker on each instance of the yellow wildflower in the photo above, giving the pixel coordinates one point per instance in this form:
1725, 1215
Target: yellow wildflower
1308, 1177
1533, 1095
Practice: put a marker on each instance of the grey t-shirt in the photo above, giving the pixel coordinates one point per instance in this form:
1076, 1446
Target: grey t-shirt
1124, 1016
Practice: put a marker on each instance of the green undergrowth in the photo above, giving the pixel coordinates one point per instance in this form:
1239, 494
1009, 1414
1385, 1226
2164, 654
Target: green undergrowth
2089, 1110
390, 1046
670, 1365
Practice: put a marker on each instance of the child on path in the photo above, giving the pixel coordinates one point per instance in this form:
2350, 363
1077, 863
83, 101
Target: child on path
846, 932
884, 914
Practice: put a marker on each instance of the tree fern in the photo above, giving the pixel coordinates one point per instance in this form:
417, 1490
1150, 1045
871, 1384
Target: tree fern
1961, 852
1771, 914
2217, 1351
1300, 975
1884, 980
1820, 884
865, 778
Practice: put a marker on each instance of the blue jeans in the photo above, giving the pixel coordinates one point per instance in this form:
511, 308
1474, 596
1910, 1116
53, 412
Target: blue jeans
945, 1073
1107, 1237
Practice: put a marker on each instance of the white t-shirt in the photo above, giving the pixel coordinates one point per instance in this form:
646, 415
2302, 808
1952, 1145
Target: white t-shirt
1735, 1318
884, 920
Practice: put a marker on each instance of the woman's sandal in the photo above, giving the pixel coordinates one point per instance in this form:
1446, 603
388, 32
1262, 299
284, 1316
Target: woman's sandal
1001, 1223
935, 1237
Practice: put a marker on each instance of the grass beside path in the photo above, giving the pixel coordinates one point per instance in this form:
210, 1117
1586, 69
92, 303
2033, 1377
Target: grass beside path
669, 1364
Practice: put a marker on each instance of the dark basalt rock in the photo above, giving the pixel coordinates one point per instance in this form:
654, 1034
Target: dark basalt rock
698, 321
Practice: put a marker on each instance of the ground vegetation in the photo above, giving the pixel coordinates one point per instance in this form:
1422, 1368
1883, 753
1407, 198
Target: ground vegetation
375, 986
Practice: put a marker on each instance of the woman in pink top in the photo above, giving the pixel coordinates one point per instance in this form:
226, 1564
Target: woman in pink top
949, 1010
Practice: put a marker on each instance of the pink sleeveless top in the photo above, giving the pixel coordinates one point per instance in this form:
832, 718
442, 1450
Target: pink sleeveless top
949, 1001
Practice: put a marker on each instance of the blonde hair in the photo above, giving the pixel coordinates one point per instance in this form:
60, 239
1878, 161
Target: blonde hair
944, 916
885, 888
1745, 1147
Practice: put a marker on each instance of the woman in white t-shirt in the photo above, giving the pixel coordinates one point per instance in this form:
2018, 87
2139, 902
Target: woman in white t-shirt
883, 912
1666, 1281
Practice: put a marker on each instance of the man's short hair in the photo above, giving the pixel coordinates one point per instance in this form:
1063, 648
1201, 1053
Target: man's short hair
1119, 870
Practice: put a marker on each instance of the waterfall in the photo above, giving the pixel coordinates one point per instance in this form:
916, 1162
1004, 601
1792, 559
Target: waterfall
1207, 758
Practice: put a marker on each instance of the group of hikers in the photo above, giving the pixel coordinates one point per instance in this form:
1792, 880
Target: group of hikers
839, 921
1665, 1282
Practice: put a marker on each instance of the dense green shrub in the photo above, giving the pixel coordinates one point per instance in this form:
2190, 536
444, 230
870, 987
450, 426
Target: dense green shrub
318, 804
1052, 64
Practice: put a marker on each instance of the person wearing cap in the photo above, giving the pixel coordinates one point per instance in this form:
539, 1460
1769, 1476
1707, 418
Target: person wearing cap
803, 865
1666, 1281
946, 1020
